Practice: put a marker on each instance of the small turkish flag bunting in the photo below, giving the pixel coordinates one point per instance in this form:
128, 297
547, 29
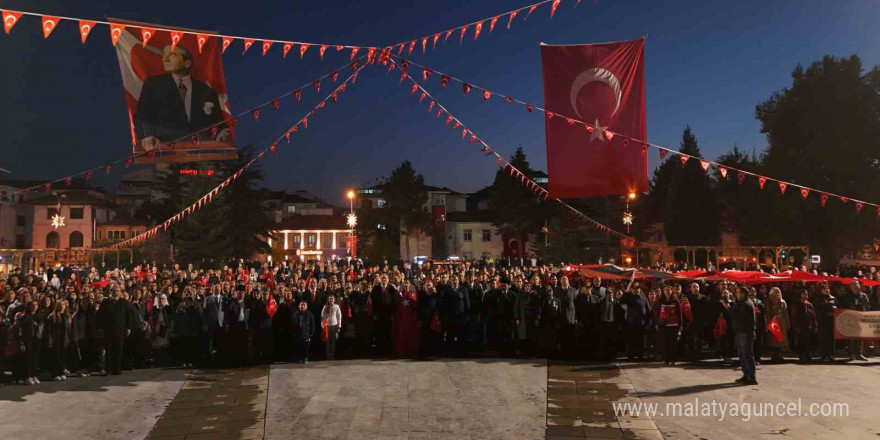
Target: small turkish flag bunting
553, 7
412, 45
266, 46
761, 181
472, 139
843, 199
317, 85
492, 23
530, 108
508, 99
804, 193
705, 165
723, 172
531, 9
128, 162
422, 97
436, 37
201, 39
478, 30
782, 187
48, 187
823, 199
306, 122
444, 80
297, 94
448, 119
684, 158
662, 155
303, 47
321, 50
431, 106
107, 168
334, 76
49, 23
175, 39
456, 126
448, 33
67, 181
463, 31
510, 20
463, 133
285, 49
424, 44
273, 148
116, 31
276, 104
425, 74
354, 52
466, 88
403, 76
9, 20
256, 113
415, 87
247, 45
740, 176
146, 34
225, 44
859, 206
486, 95
85, 27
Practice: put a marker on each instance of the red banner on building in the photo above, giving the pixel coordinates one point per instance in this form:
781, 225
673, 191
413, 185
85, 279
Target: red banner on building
604, 85
176, 96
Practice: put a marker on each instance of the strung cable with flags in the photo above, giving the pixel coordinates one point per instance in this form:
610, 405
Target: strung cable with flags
207, 198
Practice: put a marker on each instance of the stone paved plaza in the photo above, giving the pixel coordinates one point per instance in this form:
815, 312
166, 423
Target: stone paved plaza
440, 399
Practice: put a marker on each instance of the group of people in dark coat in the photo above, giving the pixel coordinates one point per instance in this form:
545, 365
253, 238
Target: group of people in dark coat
102, 322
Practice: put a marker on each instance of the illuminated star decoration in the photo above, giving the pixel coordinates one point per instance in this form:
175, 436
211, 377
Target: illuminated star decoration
598, 132
57, 221
627, 218
351, 220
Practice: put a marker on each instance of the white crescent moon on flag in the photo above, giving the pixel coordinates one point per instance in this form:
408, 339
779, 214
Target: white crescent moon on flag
594, 74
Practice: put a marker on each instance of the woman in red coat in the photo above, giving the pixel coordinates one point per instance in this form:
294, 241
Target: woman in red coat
405, 328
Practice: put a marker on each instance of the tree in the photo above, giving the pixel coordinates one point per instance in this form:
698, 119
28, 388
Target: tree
740, 203
406, 198
516, 210
690, 215
248, 225
202, 236
822, 133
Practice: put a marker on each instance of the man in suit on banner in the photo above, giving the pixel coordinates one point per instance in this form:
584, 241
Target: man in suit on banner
174, 104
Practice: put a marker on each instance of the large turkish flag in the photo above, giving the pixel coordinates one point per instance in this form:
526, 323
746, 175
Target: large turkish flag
600, 84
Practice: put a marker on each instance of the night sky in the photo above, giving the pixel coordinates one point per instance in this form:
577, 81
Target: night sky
708, 63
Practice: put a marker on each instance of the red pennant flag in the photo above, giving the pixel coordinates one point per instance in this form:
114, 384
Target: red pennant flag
297, 94
436, 37
723, 172
286, 48
439, 113
404, 66
225, 42
424, 44
569, 121
67, 181
463, 31
662, 155
425, 73
9, 20
456, 125
510, 20
804, 193
761, 181
508, 99
492, 23
740, 176
859, 206
531, 9
85, 27
486, 95
334, 76
448, 33
567, 70
49, 187
266, 46
317, 85
530, 108
498, 160
128, 162
116, 31
287, 136
273, 148
107, 168
843, 199
402, 77
823, 199
782, 187
321, 51
463, 133
705, 165
303, 47
414, 88
466, 88
371, 55
256, 113
334, 97
444, 80
412, 45
472, 139
449, 119
553, 7
146, 34
422, 97
478, 30
247, 45
339, 47
354, 52
49, 23
176, 37
431, 106
201, 39
684, 158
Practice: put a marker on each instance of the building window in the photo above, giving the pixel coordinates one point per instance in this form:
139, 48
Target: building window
53, 240
291, 209
326, 241
380, 203
19, 241
311, 241
76, 213
51, 212
487, 235
296, 240
76, 239
468, 235
20, 220
438, 200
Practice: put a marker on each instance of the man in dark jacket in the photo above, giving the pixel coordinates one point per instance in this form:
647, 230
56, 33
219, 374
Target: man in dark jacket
855, 299
638, 318
303, 324
825, 306
567, 329
382, 298
114, 318
743, 320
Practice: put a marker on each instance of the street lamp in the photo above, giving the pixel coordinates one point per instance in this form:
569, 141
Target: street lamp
351, 220
627, 215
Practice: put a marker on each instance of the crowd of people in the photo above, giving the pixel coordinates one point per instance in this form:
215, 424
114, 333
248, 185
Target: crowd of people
65, 321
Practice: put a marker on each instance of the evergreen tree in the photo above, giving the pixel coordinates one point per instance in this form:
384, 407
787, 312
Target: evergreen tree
516, 210
690, 214
248, 225
406, 198
202, 237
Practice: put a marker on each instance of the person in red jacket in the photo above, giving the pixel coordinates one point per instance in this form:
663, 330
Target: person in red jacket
668, 321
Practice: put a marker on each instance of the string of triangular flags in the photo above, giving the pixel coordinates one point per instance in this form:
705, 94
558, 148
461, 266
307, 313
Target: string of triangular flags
628, 141
471, 137
210, 195
477, 26
274, 103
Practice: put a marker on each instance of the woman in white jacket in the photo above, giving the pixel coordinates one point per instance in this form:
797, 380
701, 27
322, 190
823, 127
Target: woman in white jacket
331, 316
